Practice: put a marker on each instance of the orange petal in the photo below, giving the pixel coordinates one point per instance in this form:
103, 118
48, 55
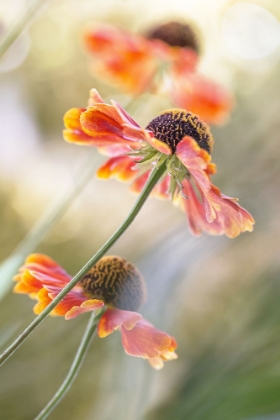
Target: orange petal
122, 168
115, 318
143, 340
94, 98
232, 217
217, 214
125, 59
195, 159
88, 305
161, 190
42, 260
138, 184
159, 145
201, 96
44, 301
74, 132
103, 123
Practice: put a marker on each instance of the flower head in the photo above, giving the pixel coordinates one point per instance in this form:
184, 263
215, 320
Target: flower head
164, 59
177, 137
175, 34
113, 284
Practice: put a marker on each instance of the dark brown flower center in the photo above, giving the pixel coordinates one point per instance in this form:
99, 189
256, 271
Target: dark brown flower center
116, 282
174, 124
175, 34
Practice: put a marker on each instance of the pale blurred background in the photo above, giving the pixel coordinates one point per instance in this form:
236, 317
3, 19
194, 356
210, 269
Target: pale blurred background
219, 297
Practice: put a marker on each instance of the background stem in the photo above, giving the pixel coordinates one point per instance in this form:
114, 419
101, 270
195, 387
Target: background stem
20, 25
36, 234
75, 367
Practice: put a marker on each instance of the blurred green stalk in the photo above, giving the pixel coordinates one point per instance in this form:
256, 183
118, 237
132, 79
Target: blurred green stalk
20, 25
75, 367
10, 266
155, 176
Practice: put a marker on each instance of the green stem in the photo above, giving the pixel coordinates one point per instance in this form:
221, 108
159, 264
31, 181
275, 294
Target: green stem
75, 367
20, 25
53, 213
152, 181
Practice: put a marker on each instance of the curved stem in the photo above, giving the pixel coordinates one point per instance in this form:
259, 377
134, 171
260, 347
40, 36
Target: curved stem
20, 25
75, 367
153, 179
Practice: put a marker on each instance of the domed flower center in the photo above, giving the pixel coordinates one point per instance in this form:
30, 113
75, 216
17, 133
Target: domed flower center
172, 125
116, 282
175, 34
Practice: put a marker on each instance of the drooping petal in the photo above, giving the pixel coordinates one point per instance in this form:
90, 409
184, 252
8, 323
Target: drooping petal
113, 319
138, 185
233, 218
196, 160
215, 213
139, 337
161, 190
195, 213
145, 341
122, 168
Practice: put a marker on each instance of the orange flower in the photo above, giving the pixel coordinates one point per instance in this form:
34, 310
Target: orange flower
112, 282
175, 136
164, 59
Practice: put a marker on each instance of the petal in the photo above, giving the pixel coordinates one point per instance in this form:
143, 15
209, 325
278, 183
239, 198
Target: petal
159, 145
201, 96
27, 284
74, 132
122, 168
145, 341
161, 190
43, 260
115, 149
125, 59
229, 214
44, 301
184, 61
196, 160
216, 214
94, 98
105, 126
137, 186
125, 117
101, 119
88, 305
43, 278
156, 363
114, 319
197, 213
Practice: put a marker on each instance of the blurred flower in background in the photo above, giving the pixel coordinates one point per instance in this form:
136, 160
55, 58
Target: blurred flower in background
165, 59
218, 297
